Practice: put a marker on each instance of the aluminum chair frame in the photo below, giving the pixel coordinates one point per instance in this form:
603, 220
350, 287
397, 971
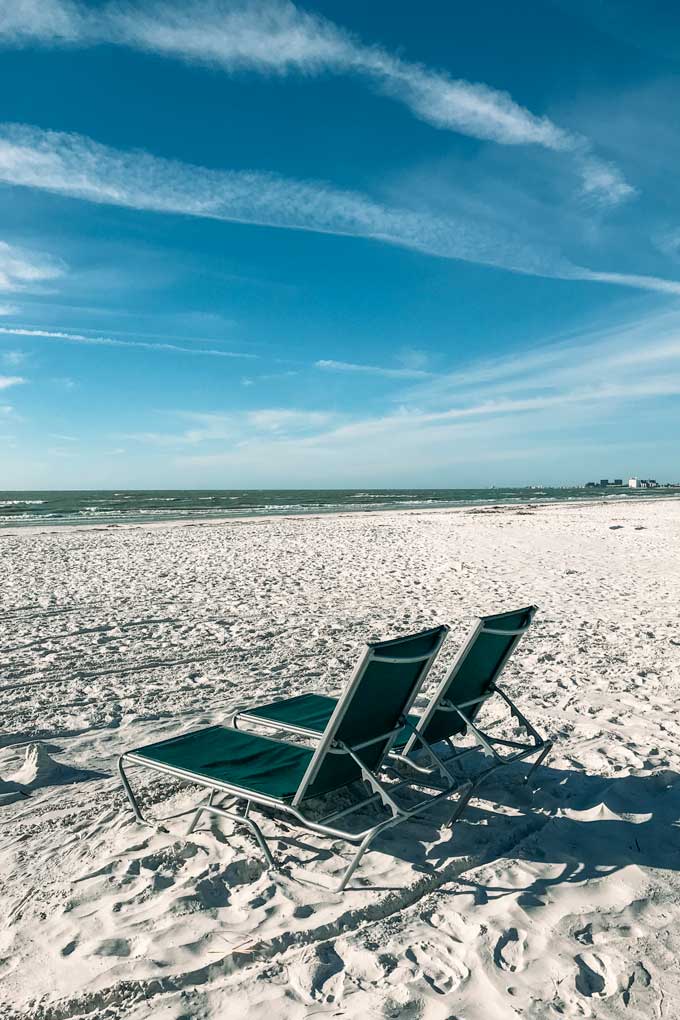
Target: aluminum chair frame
328, 744
485, 742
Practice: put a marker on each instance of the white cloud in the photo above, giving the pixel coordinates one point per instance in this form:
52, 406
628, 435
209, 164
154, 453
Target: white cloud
390, 373
76, 166
284, 419
10, 380
22, 270
512, 407
8, 309
52, 21
234, 427
531, 415
107, 341
276, 37
13, 358
603, 181
631, 280
605, 364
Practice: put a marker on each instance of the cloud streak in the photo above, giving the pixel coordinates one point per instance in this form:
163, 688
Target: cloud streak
78, 167
235, 427
10, 380
276, 37
389, 373
22, 270
107, 341
507, 410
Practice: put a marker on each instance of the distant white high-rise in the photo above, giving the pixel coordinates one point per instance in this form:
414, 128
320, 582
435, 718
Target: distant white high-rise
633, 483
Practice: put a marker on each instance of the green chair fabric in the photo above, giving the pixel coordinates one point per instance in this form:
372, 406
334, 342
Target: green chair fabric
308, 711
259, 764
471, 678
385, 691
476, 673
312, 712
276, 769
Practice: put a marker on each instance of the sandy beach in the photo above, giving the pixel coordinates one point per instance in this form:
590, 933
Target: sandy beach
560, 903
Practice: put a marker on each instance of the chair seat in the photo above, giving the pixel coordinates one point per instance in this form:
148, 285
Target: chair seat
244, 760
307, 711
312, 712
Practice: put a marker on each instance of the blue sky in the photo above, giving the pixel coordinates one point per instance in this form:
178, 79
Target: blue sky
260, 244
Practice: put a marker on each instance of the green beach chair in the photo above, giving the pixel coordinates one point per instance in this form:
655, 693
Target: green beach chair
247, 769
452, 711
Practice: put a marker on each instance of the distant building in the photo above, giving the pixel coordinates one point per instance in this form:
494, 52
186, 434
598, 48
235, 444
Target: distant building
643, 483
604, 482
618, 481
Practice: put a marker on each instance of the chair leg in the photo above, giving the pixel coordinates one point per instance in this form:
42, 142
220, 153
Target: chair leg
130, 795
240, 819
462, 802
197, 814
539, 761
361, 850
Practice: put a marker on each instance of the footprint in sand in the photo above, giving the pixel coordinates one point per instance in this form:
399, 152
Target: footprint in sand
595, 976
638, 991
318, 975
509, 951
442, 969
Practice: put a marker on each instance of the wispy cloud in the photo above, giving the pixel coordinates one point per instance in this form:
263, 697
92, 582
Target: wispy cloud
578, 396
390, 373
51, 21
510, 407
234, 427
601, 180
285, 419
269, 377
10, 380
81, 168
628, 355
13, 358
107, 341
8, 309
23, 270
277, 37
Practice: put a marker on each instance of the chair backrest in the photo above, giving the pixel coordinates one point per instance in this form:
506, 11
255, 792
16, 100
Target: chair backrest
478, 665
380, 693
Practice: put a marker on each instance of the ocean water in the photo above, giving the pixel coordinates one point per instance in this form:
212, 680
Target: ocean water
143, 506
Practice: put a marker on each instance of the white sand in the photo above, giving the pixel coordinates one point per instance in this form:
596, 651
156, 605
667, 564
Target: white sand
567, 905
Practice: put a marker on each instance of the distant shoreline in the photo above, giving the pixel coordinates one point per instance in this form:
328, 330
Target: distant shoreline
528, 507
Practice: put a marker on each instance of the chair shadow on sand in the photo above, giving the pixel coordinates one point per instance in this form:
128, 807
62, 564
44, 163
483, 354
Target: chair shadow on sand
592, 825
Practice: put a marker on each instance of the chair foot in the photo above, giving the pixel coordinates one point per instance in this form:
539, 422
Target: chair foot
240, 819
539, 761
130, 795
361, 850
464, 799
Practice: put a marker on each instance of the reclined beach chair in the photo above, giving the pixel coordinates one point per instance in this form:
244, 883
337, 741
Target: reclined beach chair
352, 746
452, 710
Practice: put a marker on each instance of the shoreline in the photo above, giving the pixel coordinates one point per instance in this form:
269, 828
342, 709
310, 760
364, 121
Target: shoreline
54, 528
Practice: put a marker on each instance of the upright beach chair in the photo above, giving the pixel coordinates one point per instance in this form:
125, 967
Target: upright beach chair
247, 769
452, 711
